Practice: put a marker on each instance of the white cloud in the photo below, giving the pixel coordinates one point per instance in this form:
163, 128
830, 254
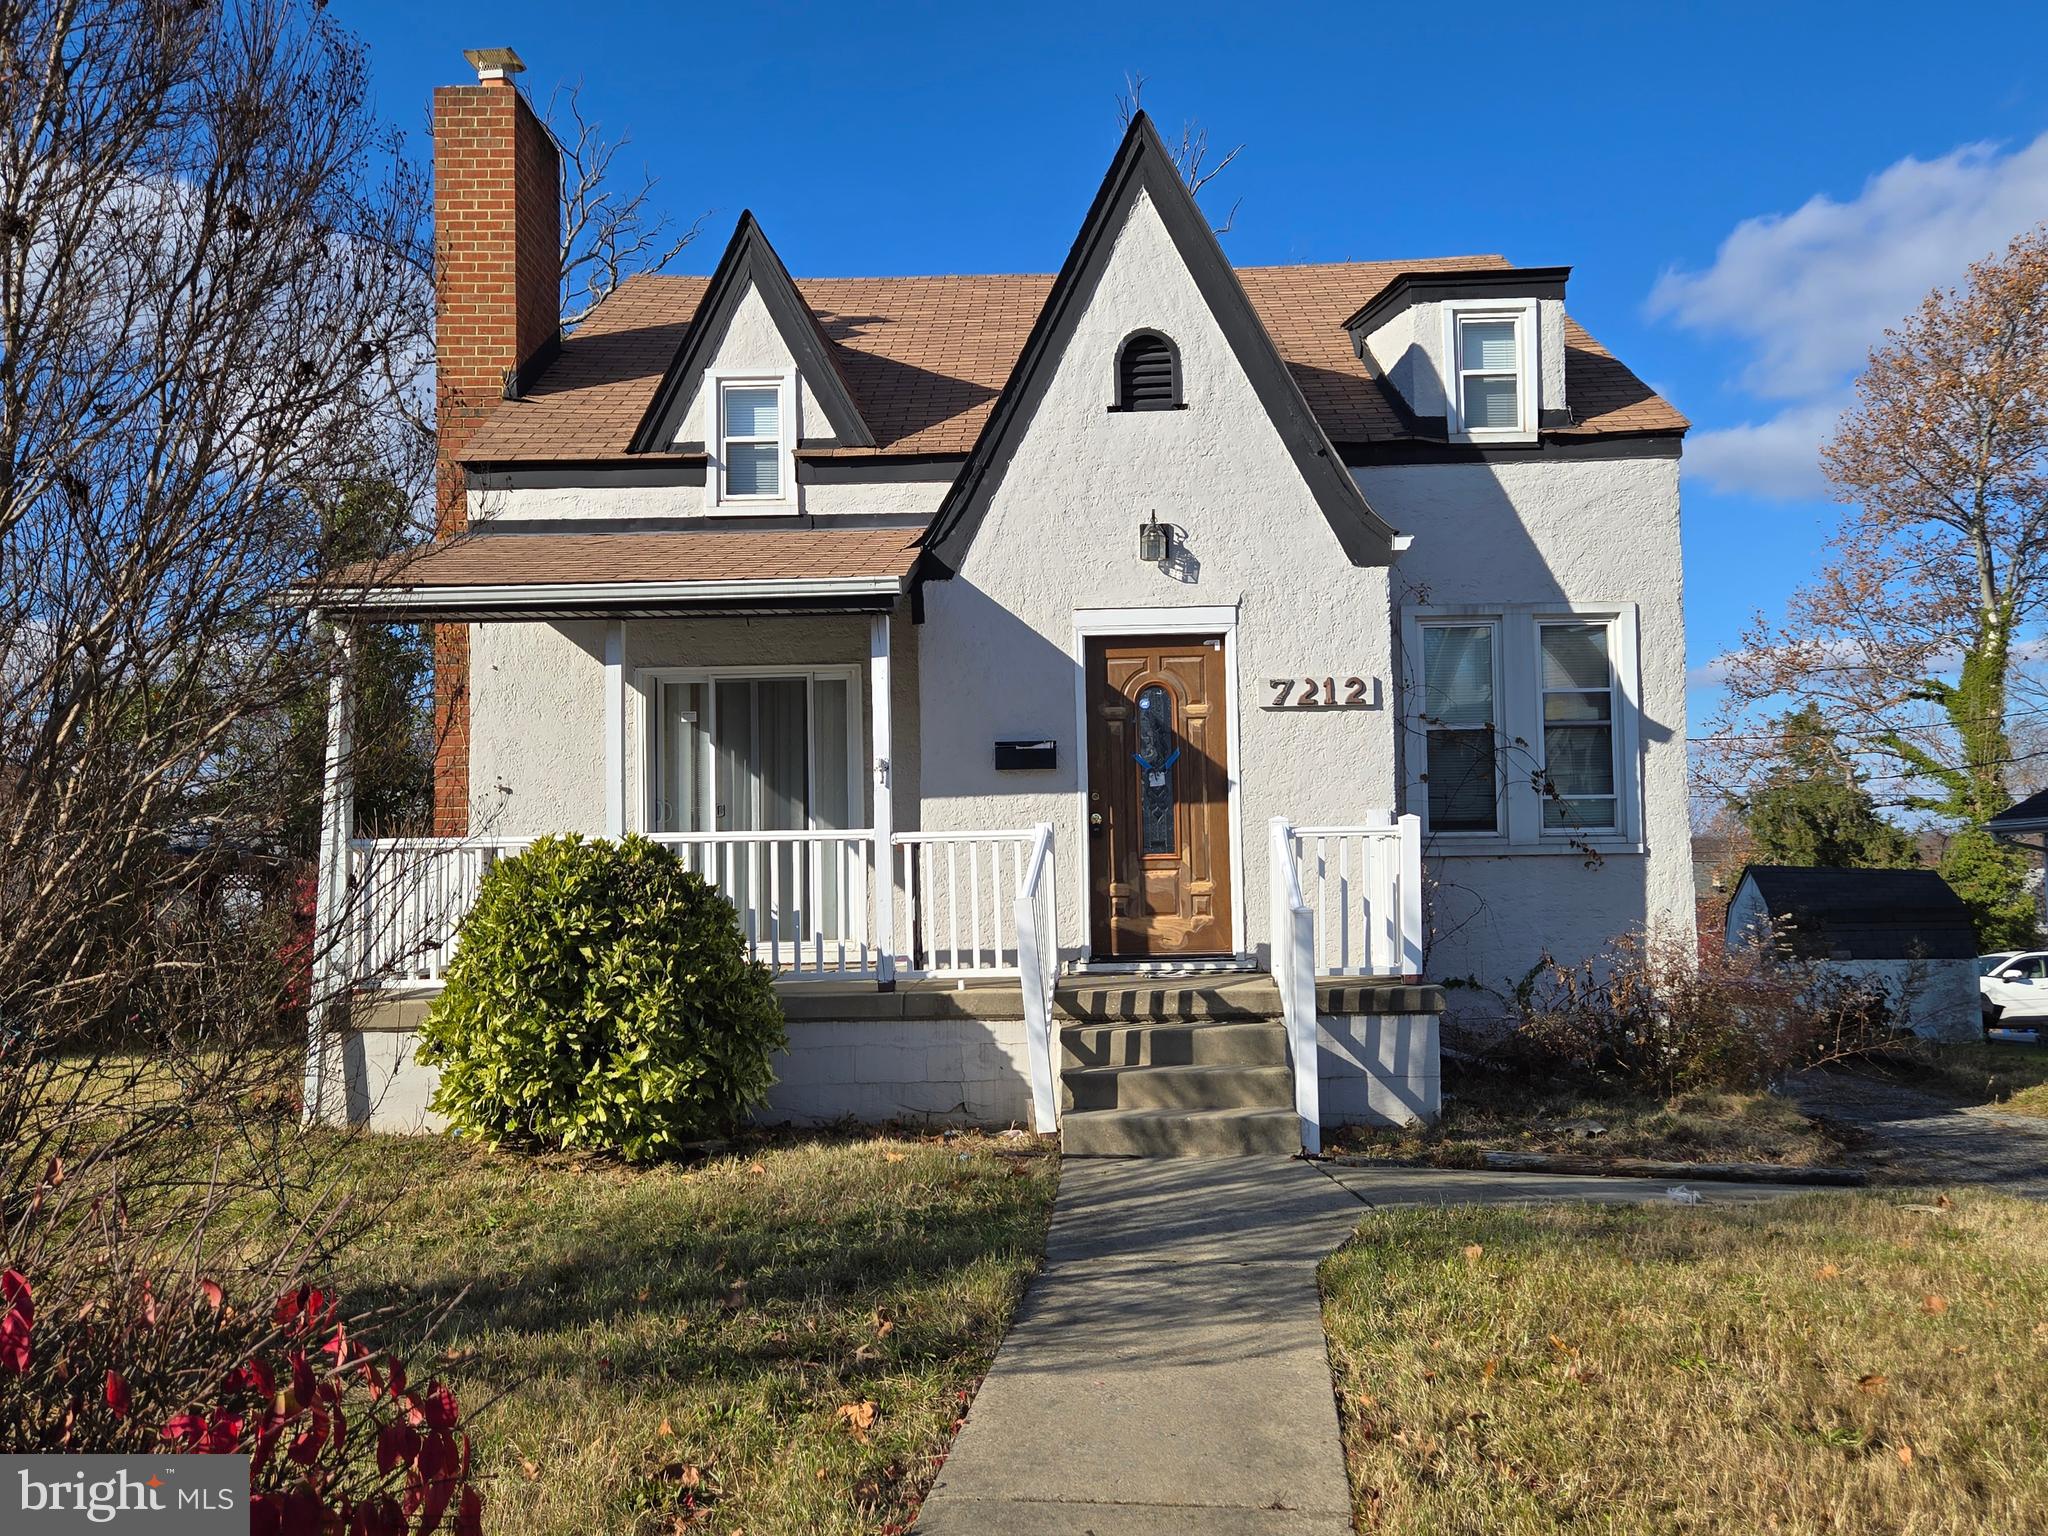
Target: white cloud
1776, 457
1810, 292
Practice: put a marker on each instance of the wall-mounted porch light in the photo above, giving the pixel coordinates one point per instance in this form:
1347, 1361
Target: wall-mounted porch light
1155, 543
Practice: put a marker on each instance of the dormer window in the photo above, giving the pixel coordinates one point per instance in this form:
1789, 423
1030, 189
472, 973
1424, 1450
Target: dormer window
753, 441
1491, 352
1147, 374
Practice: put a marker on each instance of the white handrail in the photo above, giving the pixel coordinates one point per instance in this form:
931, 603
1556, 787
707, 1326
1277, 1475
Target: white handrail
958, 917
1038, 931
1294, 949
1363, 883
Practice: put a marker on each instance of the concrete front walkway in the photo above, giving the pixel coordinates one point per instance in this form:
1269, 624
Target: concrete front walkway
1166, 1371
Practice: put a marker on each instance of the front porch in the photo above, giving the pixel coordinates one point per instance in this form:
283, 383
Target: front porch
749, 735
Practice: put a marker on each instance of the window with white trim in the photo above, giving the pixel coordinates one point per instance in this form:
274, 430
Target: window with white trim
753, 440
1458, 723
1523, 726
737, 752
1490, 352
1579, 789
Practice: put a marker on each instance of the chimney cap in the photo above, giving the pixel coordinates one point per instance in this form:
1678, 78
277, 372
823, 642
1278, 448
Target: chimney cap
494, 63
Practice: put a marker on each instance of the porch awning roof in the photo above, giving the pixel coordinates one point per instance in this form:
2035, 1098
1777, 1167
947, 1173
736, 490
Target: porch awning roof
627, 575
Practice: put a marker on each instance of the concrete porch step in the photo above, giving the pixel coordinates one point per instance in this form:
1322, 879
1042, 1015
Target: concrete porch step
1094, 999
1186, 1087
1230, 1043
1179, 1133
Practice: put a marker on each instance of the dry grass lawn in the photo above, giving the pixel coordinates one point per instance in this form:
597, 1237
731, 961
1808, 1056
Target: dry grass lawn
1495, 1111
778, 1341
1846, 1363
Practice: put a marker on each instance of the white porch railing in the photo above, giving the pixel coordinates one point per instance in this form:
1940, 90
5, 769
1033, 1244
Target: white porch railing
1294, 973
957, 891
1038, 962
1364, 886
807, 901
1346, 901
803, 897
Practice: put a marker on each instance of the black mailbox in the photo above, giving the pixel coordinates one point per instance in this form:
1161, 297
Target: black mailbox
1027, 754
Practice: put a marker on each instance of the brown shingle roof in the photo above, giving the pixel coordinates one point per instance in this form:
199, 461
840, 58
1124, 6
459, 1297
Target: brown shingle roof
551, 559
926, 357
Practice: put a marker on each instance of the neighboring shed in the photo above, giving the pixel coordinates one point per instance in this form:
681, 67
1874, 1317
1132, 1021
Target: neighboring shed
1902, 927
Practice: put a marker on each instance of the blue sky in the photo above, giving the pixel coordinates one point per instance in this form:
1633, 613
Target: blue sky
1747, 194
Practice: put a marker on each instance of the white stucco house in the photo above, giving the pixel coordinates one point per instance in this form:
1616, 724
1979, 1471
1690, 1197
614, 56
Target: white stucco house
1121, 700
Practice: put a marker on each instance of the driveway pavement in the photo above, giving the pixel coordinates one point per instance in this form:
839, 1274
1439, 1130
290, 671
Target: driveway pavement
1166, 1370
1923, 1136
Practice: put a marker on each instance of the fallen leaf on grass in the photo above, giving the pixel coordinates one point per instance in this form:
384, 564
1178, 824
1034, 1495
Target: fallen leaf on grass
530, 1468
1933, 1306
859, 1417
1473, 1251
894, 1157
757, 1167
1827, 1272
1873, 1383
1905, 1455
1560, 1346
667, 1428
1490, 1370
884, 1325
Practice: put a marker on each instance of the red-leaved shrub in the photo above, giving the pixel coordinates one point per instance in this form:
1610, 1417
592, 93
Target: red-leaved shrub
339, 1440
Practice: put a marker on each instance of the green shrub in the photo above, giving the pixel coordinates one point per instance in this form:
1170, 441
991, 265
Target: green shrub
601, 996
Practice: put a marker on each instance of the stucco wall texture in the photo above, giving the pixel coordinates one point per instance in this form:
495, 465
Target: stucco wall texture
1566, 530
537, 748
998, 654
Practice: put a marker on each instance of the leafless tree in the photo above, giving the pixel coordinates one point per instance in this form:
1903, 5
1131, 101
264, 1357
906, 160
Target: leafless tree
1190, 155
212, 311
608, 231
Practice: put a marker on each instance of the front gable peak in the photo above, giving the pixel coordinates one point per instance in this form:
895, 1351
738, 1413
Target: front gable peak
751, 265
1142, 169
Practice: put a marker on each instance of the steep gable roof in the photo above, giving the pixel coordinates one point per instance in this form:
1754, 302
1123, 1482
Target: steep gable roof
750, 262
1143, 165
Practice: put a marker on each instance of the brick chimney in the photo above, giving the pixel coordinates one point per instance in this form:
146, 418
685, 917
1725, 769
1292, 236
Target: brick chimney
498, 314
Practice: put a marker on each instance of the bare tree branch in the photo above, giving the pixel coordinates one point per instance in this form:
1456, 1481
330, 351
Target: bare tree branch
1190, 155
608, 232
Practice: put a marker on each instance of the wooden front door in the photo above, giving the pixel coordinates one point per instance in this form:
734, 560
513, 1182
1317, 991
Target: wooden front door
1158, 798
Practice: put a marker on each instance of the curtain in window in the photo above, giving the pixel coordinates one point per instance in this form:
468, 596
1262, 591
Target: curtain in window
753, 412
753, 468
1458, 703
1487, 346
1578, 726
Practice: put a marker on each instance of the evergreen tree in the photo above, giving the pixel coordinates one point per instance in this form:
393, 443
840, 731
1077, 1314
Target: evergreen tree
1812, 808
1991, 876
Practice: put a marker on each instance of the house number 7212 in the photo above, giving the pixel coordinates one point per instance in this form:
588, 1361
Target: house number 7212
1323, 693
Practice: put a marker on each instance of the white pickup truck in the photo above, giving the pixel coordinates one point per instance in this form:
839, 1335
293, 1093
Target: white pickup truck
2014, 987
